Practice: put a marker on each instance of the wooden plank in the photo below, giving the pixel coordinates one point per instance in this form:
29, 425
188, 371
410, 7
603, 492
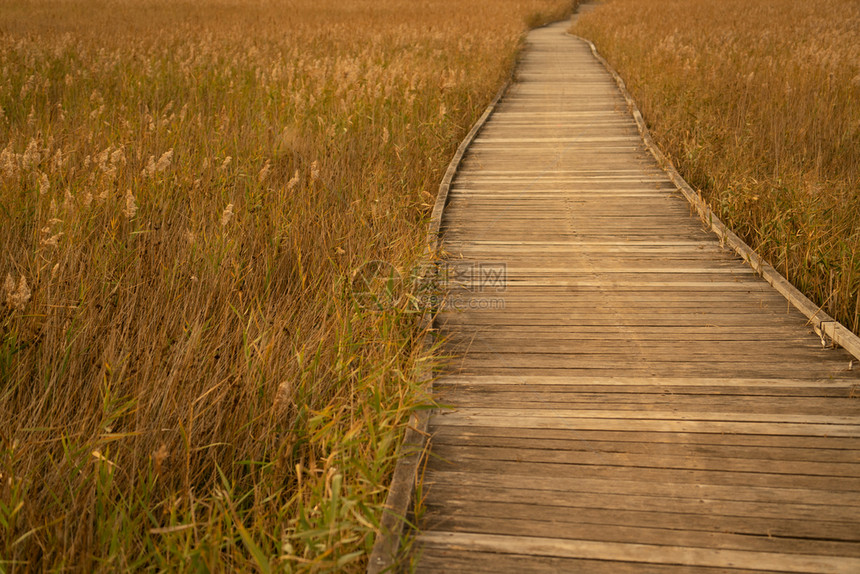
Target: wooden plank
693, 439
741, 403
465, 366
507, 357
621, 421
653, 554
497, 339
515, 300
501, 355
596, 488
632, 332
634, 351
729, 343
438, 559
703, 313
554, 471
675, 522
666, 382
465, 453
759, 453
751, 395
823, 421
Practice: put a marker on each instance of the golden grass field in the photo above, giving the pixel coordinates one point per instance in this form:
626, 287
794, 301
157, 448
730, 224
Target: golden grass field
187, 381
757, 102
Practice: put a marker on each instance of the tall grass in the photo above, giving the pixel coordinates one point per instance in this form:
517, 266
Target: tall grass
187, 379
757, 102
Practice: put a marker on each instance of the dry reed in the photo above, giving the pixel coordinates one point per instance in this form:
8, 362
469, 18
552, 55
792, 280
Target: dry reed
187, 381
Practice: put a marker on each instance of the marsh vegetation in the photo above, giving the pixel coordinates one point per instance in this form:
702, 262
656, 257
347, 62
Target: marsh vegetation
187, 382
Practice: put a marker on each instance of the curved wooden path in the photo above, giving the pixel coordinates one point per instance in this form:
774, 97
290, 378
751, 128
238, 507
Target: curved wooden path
630, 395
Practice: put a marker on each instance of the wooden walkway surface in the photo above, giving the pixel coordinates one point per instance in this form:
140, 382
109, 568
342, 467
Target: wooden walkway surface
628, 394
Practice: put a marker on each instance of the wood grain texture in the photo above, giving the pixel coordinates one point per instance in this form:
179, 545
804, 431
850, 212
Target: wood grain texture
624, 393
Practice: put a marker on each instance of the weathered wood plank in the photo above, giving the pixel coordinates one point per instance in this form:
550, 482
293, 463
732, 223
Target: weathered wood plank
437, 559
655, 421
543, 400
653, 554
694, 439
466, 368
674, 528
554, 471
655, 382
465, 453
598, 487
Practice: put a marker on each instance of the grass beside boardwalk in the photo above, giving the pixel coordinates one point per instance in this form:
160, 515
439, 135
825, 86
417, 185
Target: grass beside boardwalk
187, 379
757, 102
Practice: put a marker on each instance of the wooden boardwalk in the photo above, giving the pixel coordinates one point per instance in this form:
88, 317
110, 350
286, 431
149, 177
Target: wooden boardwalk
628, 394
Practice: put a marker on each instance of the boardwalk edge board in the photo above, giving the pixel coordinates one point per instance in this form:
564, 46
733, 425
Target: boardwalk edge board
398, 503
825, 326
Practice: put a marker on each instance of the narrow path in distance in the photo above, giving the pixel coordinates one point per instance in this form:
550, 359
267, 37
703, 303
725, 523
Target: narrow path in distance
628, 394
